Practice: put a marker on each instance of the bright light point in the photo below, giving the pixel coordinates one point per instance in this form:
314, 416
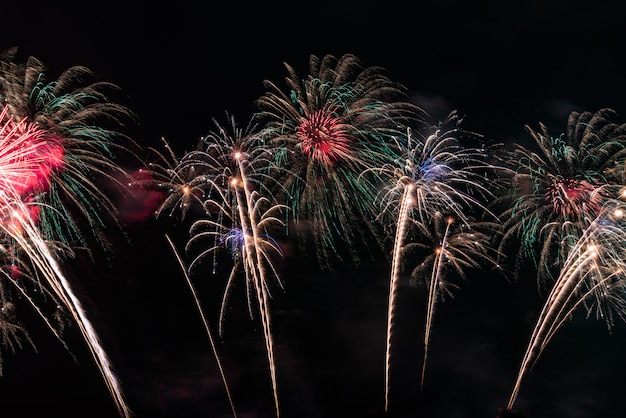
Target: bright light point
619, 212
185, 189
233, 182
450, 220
237, 155
623, 193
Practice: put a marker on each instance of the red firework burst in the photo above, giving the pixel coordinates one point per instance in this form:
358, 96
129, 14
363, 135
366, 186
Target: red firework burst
323, 136
571, 197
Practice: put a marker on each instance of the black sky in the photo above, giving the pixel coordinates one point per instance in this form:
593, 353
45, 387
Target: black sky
501, 64
181, 65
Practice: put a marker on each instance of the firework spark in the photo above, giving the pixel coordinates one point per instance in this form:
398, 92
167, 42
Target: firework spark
206, 325
326, 130
76, 127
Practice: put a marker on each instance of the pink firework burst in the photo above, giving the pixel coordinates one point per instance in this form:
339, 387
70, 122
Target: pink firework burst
28, 156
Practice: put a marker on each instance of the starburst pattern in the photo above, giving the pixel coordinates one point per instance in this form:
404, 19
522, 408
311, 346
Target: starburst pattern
327, 129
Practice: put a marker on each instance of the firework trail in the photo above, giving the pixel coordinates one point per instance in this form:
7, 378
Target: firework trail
53, 156
205, 323
327, 130
592, 276
20, 228
39, 254
227, 175
560, 183
448, 250
436, 178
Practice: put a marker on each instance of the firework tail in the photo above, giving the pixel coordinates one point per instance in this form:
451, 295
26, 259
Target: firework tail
432, 297
254, 265
205, 323
584, 261
30, 240
403, 219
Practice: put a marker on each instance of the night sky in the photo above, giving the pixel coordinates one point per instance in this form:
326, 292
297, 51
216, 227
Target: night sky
500, 64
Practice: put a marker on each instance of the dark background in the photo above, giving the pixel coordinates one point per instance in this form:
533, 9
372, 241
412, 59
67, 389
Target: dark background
501, 64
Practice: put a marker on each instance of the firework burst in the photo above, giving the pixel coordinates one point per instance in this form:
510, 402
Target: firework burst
326, 130
449, 250
593, 276
559, 185
58, 141
227, 176
77, 129
438, 179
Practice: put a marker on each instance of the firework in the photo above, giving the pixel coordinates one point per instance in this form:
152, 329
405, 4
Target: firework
448, 250
32, 259
326, 130
180, 182
438, 179
227, 176
205, 323
58, 141
79, 127
561, 183
592, 276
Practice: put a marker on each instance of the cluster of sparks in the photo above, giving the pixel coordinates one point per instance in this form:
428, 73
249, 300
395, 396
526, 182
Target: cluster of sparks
342, 161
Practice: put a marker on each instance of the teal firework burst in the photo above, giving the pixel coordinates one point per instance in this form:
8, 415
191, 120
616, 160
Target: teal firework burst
561, 182
326, 129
